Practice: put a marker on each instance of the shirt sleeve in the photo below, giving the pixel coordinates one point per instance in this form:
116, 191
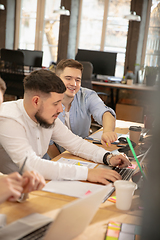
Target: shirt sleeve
15, 143
75, 144
97, 107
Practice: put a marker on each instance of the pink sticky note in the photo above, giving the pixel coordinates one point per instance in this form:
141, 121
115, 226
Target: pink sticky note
88, 192
132, 167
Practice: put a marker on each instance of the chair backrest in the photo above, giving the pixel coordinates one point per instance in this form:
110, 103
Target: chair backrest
87, 74
32, 58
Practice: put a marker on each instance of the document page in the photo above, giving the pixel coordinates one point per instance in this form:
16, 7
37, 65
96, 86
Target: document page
72, 188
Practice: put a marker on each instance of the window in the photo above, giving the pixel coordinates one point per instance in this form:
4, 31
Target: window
39, 27
91, 24
51, 32
152, 57
116, 32
27, 24
115, 29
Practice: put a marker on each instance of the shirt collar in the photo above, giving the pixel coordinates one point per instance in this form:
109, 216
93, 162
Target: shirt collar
34, 124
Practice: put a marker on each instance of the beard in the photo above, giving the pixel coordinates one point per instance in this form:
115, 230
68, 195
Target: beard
42, 122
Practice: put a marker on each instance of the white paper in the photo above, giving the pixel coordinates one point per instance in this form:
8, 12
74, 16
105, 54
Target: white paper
77, 162
98, 135
126, 124
71, 188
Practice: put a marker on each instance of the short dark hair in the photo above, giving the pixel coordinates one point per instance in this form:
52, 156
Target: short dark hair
68, 63
2, 85
44, 81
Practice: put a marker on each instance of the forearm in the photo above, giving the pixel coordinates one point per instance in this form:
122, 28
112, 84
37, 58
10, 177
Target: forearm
108, 122
76, 145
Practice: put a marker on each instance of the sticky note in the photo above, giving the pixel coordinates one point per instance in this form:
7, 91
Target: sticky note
111, 238
113, 233
114, 224
88, 192
132, 167
128, 228
112, 199
126, 236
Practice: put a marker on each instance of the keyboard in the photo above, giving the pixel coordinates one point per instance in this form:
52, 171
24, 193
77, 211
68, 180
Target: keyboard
126, 174
37, 234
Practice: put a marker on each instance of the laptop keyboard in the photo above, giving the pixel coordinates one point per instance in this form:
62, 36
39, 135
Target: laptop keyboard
125, 173
37, 234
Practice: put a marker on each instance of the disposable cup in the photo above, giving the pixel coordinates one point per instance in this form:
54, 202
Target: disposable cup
124, 193
134, 133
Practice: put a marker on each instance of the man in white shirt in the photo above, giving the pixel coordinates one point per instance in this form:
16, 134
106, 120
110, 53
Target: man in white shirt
27, 125
13, 185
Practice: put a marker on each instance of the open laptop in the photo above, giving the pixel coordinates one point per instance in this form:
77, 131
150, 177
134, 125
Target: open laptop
126, 173
72, 219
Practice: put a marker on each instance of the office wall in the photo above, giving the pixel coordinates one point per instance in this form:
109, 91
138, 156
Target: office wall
3, 14
7, 24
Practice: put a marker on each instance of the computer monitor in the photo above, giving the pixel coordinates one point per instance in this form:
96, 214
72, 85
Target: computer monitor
32, 58
104, 63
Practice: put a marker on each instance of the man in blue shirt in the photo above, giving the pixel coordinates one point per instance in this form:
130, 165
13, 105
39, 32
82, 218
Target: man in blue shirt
80, 103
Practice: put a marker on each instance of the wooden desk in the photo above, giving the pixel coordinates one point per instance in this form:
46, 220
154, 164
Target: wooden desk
50, 207
118, 86
50, 203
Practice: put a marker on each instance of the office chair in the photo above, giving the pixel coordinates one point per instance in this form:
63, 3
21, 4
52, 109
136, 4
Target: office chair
86, 82
32, 58
12, 71
87, 74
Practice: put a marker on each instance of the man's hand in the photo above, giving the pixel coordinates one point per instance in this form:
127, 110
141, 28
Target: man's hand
32, 181
120, 160
108, 138
102, 175
10, 187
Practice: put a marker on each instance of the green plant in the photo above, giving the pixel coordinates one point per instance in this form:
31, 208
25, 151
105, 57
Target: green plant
149, 69
152, 70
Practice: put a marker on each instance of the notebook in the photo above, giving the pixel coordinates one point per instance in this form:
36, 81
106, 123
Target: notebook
72, 219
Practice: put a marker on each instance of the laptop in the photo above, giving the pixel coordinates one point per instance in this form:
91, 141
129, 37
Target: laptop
72, 219
126, 173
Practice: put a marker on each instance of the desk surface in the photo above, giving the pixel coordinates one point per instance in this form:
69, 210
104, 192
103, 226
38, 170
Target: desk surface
50, 203
125, 86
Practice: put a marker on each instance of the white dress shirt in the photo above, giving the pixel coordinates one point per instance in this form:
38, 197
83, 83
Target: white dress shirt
20, 136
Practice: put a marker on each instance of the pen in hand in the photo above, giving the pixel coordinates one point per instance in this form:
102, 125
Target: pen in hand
23, 196
21, 169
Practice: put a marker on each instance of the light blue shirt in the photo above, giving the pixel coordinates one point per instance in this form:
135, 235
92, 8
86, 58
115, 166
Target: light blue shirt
85, 103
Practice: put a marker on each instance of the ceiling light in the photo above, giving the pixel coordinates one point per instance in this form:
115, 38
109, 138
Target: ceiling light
62, 11
2, 7
133, 17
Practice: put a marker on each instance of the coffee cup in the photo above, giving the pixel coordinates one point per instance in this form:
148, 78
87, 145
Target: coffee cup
124, 193
134, 133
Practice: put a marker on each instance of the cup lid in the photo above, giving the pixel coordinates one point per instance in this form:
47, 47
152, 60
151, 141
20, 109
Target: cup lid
125, 184
135, 128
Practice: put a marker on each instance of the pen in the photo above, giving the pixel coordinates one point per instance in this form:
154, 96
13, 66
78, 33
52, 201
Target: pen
99, 142
21, 169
